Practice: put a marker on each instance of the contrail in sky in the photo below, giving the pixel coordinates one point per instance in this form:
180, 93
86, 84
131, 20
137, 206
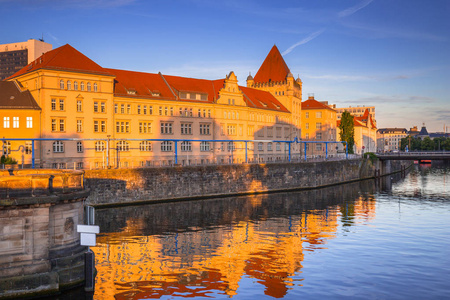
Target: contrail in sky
350, 11
304, 41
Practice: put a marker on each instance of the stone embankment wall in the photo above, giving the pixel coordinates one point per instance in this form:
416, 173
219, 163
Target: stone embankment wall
40, 252
134, 186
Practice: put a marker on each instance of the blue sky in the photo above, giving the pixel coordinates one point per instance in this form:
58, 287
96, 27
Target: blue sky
392, 54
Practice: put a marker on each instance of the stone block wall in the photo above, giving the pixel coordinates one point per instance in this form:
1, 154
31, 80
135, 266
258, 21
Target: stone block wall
163, 184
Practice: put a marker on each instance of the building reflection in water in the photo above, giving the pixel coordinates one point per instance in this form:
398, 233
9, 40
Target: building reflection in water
205, 248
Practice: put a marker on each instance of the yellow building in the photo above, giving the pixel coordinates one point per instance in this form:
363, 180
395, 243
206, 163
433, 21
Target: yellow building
318, 124
112, 113
20, 118
365, 133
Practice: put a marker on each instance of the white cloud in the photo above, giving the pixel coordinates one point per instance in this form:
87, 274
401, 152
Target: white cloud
351, 10
304, 41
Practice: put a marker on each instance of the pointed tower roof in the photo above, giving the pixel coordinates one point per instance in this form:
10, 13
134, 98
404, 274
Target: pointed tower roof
64, 58
274, 68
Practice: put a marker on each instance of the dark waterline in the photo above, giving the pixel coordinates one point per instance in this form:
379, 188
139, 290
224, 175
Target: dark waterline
366, 240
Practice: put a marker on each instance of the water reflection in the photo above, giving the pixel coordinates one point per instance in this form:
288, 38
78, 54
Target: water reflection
207, 248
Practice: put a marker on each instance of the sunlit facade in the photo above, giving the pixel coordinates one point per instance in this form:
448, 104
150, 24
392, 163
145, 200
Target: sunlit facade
113, 112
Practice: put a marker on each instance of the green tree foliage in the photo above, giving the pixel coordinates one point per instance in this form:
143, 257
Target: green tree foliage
427, 144
6, 160
347, 130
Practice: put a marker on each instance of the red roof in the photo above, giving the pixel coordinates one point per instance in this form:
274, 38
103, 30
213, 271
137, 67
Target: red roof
366, 118
262, 99
273, 68
64, 58
314, 104
143, 84
204, 86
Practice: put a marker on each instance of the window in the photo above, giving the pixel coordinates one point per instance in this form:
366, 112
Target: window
138, 109
205, 146
231, 129
79, 125
307, 125
160, 110
186, 128
260, 146
100, 146
269, 147
166, 146
61, 84
145, 127
58, 147
145, 146
75, 85
95, 87
79, 106
166, 111
80, 165
123, 146
79, 147
318, 115
103, 126
95, 106
278, 146
29, 122
82, 86
128, 108
122, 108
15, 122
6, 148
28, 147
123, 127
69, 85
88, 86
319, 135
307, 136
53, 125
150, 110
209, 113
186, 146
102, 107
204, 129
166, 128
62, 125
318, 147
53, 104
318, 125
270, 131
231, 146
307, 115
61, 104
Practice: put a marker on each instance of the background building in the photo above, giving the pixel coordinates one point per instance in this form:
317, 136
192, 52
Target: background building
388, 139
357, 111
15, 56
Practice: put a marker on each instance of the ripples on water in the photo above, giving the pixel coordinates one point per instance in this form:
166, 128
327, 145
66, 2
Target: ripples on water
359, 241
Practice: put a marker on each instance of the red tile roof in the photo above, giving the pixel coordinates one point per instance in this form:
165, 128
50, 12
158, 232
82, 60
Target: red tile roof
203, 86
262, 99
12, 97
274, 68
145, 85
314, 104
64, 58
366, 119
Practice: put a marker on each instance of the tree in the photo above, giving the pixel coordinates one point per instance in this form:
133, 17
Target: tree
347, 130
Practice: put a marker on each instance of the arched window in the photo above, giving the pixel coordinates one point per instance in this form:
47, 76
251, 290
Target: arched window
166, 146
82, 86
75, 85
186, 146
95, 87
69, 84
88, 86
123, 146
58, 147
61, 84
260, 146
100, 146
269, 146
145, 146
278, 146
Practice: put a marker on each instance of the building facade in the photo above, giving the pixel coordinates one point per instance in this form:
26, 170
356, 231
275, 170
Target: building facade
318, 124
389, 139
15, 56
119, 118
356, 111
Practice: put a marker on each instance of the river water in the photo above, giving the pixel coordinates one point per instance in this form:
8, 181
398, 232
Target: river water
366, 240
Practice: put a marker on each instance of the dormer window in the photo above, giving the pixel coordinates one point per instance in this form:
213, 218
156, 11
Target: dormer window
156, 93
131, 92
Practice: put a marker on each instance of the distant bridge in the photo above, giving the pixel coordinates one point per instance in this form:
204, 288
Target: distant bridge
420, 156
